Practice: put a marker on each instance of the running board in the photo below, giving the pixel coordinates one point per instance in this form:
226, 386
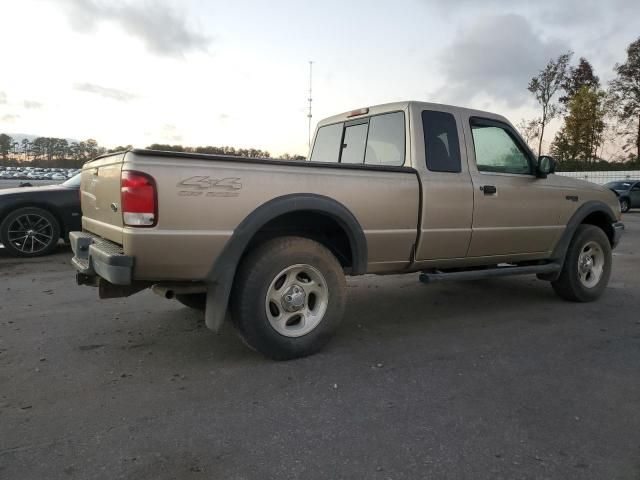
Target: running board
438, 276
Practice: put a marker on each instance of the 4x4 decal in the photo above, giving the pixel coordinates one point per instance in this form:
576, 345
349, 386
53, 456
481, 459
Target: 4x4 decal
198, 186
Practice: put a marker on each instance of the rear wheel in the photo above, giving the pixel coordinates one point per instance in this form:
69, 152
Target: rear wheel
29, 232
288, 298
587, 266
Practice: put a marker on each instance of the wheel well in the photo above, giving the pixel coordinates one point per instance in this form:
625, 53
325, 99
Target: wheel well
601, 220
317, 226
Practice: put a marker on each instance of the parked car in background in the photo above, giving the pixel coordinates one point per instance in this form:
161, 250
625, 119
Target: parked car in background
628, 193
33, 219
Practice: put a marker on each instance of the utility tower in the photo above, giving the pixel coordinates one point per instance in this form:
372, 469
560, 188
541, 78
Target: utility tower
310, 99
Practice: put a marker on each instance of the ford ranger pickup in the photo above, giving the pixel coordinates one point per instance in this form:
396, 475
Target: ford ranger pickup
407, 187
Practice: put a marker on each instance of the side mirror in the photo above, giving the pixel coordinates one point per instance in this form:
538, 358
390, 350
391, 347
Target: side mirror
546, 165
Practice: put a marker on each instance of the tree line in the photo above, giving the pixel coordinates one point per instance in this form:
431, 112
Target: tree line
60, 153
47, 152
592, 115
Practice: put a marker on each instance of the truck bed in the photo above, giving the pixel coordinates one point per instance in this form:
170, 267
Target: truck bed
203, 198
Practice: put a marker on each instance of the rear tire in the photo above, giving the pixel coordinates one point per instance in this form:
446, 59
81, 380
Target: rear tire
29, 232
288, 297
587, 266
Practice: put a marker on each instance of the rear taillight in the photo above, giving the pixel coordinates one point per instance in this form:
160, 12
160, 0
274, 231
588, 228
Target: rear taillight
139, 199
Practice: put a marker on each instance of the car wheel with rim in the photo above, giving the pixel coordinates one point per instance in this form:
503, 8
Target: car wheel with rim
288, 297
624, 205
30, 232
587, 266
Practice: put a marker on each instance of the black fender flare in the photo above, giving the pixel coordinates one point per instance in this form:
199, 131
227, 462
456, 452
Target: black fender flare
220, 277
592, 206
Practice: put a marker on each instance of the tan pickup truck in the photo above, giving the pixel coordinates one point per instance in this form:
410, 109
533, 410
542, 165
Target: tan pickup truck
398, 188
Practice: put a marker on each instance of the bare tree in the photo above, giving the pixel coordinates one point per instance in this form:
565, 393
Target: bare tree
544, 87
529, 129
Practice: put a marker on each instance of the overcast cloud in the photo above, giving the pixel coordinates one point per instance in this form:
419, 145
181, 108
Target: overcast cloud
32, 105
144, 64
495, 56
9, 118
163, 29
105, 92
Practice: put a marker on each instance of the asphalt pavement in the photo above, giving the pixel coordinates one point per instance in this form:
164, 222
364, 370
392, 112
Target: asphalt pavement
496, 379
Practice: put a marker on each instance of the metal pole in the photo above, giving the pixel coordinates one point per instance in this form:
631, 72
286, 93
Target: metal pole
309, 115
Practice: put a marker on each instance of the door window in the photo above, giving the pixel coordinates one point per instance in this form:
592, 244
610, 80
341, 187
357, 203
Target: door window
497, 151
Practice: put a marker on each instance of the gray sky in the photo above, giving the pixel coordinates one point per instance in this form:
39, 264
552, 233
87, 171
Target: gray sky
236, 73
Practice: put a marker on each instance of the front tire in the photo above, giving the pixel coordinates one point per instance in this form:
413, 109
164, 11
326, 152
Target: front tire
624, 205
288, 298
587, 266
29, 232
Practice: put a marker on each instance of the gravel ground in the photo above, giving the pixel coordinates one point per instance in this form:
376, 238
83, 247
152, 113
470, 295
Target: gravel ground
494, 379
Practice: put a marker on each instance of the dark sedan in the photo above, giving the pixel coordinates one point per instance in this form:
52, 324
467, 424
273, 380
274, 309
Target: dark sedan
628, 193
33, 219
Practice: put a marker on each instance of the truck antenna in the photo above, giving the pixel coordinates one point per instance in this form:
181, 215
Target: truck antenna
310, 99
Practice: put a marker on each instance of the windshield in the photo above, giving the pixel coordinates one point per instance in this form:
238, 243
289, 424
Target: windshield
619, 185
73, 182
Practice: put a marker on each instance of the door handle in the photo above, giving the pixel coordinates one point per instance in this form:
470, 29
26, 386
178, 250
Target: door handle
489, 189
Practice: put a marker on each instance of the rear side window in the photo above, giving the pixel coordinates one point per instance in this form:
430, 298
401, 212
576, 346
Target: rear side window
326, 147
385, 145
442, 148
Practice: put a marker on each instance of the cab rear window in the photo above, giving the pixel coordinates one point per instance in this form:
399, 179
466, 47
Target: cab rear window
377, 140
326, 148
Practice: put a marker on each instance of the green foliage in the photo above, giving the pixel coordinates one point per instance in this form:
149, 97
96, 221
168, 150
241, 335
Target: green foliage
580, 76
581, 135
6, 144
598, 165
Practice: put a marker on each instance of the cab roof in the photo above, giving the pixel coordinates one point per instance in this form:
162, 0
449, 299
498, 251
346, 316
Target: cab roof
405, 106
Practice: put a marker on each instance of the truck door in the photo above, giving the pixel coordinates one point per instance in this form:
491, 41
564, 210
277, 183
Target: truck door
514, 211
440, 157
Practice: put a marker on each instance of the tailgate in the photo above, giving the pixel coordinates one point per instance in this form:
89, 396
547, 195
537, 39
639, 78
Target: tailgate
100, 197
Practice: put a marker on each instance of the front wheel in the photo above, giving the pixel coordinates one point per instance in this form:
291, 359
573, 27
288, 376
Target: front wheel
587, 266
288, 297
624, 205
